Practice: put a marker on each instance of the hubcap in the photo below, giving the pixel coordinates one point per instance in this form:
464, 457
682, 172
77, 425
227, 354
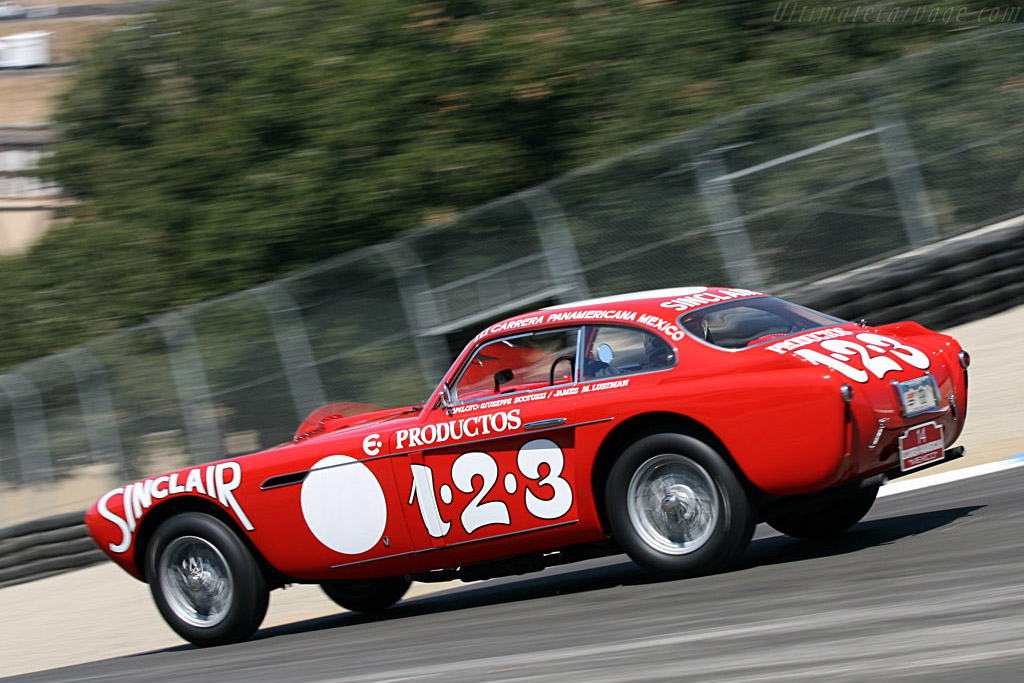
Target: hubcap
196, 581
673, 504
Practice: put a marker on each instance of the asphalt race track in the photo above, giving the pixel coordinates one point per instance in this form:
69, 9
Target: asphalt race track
929, 587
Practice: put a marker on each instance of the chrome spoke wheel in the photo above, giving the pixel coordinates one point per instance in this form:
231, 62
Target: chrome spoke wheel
673, 504
196, 581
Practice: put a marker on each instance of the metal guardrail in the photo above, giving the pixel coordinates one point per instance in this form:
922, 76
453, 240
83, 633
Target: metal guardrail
784, 193
44, 547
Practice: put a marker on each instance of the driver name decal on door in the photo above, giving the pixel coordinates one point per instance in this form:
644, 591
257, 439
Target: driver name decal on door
477, 473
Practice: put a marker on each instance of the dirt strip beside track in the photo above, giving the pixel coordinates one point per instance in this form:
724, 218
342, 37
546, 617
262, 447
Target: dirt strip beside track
101, 612
994, 428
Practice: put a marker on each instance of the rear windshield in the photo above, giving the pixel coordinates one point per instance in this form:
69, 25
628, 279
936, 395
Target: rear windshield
749, 322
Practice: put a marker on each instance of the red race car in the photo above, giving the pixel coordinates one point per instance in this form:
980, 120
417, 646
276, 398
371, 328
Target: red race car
665, 424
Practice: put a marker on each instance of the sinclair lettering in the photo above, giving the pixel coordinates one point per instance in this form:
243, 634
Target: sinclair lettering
685, 303
214, 481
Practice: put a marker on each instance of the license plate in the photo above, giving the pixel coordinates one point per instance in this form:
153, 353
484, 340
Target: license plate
921, 445
918, 395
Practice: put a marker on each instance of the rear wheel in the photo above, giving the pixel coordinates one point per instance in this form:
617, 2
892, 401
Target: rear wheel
368, 595
676, 506
835, 516
204, 580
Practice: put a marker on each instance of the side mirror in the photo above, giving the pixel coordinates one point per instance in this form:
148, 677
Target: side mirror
446, 398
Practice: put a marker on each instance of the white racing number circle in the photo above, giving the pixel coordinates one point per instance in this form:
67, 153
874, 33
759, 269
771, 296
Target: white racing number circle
344, 505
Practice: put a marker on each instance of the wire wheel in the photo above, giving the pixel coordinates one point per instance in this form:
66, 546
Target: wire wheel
673, 504
196, 580
676, 506
206, 583
832, 516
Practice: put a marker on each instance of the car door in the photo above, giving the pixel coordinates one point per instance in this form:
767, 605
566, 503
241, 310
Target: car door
500, 462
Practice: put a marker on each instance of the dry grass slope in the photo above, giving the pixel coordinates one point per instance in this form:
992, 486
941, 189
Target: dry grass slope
30, 97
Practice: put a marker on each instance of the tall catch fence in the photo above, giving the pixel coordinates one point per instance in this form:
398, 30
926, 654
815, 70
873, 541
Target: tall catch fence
772, 197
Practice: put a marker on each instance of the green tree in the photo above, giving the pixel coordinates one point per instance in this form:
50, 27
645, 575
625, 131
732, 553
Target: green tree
216, 144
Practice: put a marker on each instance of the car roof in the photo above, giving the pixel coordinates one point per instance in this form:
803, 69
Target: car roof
655, 308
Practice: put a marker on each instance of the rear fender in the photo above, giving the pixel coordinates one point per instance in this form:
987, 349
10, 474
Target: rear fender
801, 409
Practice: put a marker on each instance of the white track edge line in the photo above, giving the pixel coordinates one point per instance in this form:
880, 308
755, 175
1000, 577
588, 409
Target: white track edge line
898, 487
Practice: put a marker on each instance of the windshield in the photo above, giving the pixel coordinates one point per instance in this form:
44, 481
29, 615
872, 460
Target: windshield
750, 322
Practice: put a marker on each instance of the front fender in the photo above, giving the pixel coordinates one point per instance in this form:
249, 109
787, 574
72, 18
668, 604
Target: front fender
115, 519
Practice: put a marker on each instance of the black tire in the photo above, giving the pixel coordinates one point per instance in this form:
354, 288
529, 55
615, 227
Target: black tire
832, 518
698, 518
368, 595
219, 562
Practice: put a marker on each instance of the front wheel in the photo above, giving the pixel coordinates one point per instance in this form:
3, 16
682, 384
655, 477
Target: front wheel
368, 595
204, 580
676, 506
838, 514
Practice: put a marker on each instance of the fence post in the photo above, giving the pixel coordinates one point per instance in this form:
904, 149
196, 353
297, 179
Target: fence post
421, 309
97, 406
34, 458
560, 253
294, 349
904, 171
197, 407
727, 224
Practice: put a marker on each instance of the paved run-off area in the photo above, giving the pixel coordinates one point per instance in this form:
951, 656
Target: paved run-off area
101, 612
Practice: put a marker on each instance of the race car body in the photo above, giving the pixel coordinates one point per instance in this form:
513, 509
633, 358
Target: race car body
663, 423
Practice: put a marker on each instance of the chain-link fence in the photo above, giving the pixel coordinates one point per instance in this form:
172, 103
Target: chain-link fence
770, 197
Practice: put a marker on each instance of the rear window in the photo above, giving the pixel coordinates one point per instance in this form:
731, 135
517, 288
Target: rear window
749, 322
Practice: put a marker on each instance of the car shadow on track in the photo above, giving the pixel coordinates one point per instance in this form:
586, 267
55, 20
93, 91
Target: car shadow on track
602, 574
778, 549
767, 549
593, 575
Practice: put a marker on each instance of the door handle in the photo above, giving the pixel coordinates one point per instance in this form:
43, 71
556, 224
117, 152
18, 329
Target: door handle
544, 424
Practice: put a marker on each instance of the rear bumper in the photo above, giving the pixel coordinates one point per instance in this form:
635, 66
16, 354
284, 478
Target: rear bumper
895, 473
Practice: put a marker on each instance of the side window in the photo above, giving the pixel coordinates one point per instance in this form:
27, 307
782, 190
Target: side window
611, 350
519, 363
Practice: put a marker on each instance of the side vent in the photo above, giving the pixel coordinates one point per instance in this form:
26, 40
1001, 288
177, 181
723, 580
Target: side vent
284, 480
